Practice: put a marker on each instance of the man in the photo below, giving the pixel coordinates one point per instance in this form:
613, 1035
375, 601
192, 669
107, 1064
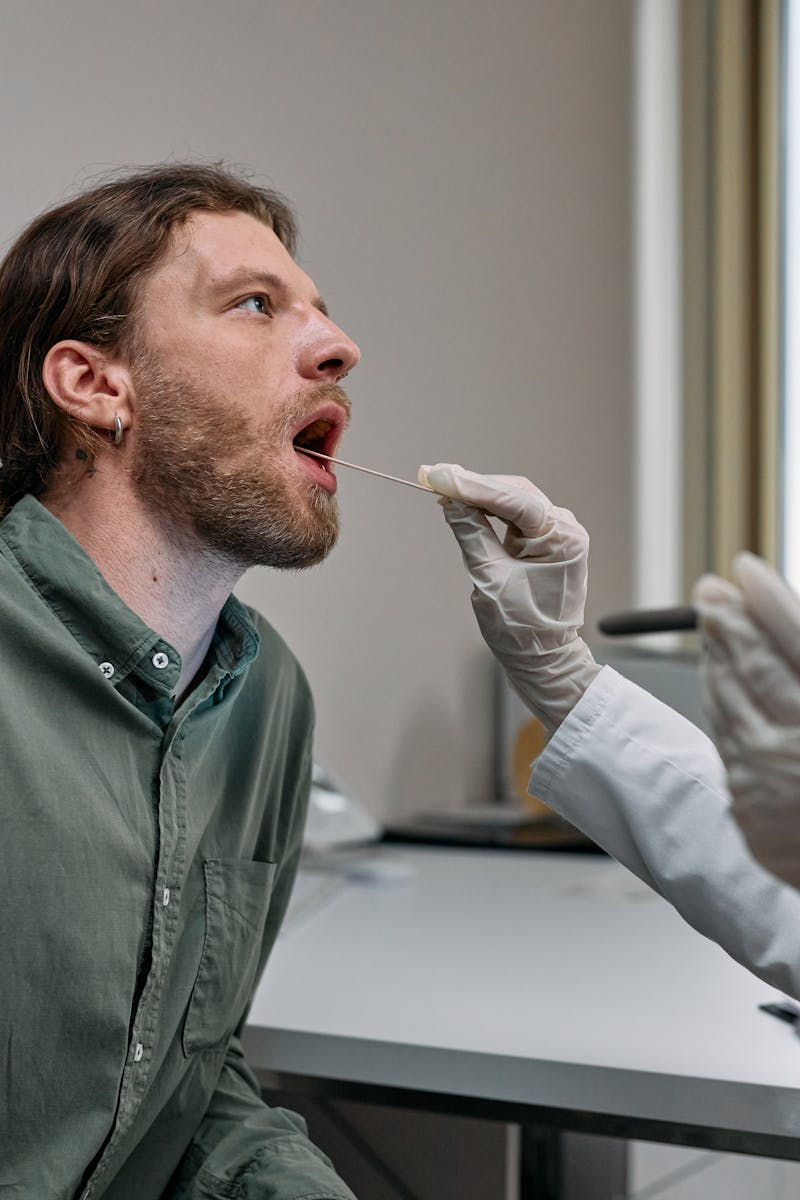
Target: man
160, 352
643, 782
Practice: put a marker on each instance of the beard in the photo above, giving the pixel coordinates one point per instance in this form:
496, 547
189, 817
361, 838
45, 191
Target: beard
218, 479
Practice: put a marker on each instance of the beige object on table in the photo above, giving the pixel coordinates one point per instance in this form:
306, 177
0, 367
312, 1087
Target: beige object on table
528, 745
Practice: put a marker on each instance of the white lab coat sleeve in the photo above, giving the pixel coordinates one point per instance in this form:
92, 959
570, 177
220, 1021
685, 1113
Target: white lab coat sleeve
649, 787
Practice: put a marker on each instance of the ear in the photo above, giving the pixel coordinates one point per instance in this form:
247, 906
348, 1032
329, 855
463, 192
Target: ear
87, 384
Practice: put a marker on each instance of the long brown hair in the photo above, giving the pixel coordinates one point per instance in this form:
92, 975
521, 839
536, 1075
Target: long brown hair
73, 273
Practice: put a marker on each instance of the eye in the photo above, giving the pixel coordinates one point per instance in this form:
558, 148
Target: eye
258, 303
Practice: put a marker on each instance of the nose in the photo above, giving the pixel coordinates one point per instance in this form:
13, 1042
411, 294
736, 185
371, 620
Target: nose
328, 353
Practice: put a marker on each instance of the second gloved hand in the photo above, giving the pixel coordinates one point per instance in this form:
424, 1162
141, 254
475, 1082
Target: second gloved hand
751, 675
529, 589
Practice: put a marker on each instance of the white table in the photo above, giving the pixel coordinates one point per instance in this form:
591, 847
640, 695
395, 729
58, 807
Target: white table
546, 989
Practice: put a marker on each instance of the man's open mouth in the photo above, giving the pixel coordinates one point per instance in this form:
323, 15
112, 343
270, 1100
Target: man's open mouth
321, 434
316, 436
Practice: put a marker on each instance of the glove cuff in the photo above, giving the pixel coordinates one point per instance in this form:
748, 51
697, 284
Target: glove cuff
551, 684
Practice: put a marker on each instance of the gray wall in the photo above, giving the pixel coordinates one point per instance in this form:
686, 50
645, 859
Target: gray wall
462, 172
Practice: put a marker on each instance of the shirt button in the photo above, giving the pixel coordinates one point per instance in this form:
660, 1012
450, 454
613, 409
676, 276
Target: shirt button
165, 897
138, 1052
107, 669
160, 660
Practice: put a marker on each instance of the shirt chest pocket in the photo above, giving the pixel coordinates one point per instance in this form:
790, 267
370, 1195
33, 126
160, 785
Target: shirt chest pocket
237, 896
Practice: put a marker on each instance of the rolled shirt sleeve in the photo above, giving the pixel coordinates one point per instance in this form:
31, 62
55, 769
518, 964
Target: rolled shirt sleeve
246, 1149
649, 787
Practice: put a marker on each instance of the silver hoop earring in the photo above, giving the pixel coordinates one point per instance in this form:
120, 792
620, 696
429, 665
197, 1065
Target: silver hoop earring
117, 430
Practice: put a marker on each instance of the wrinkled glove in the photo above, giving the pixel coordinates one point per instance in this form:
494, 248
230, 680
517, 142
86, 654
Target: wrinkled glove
529, 588
751, 681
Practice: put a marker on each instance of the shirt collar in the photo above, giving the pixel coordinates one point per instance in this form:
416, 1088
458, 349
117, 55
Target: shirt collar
70, 584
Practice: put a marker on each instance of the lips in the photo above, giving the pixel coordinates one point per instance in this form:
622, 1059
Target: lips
320, 432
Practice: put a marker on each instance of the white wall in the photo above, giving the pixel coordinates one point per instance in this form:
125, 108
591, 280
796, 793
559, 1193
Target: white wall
462, 170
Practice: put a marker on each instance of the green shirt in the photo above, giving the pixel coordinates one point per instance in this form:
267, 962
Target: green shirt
147, 856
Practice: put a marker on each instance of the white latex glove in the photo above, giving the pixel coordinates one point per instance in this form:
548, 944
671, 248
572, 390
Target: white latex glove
529, 588
751, 678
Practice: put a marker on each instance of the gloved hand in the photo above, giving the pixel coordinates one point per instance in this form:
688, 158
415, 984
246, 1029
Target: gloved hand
751, 678
529, 589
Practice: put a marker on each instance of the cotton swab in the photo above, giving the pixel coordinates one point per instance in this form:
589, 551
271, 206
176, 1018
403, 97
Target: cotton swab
381, 474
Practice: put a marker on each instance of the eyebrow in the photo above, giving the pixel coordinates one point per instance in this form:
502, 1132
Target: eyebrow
246, 277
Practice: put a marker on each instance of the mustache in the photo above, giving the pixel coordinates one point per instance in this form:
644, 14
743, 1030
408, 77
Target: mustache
307, 403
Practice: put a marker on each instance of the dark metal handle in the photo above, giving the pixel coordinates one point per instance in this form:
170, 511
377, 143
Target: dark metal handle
649, 620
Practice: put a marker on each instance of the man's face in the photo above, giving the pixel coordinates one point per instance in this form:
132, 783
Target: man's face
235, 355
